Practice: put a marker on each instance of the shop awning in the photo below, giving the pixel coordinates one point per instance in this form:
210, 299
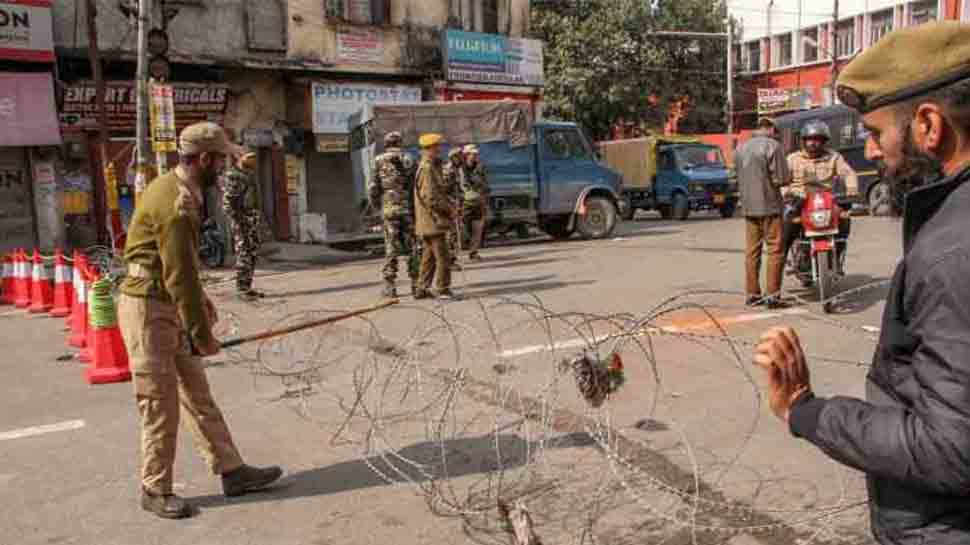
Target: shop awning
28, 112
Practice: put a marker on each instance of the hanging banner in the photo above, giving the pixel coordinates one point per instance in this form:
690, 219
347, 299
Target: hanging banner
359, 46
164, 134
26, 30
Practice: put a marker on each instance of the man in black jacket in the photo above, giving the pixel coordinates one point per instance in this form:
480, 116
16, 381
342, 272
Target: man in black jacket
912, 434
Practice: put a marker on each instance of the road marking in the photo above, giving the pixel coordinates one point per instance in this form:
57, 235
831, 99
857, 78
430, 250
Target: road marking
41, 430
674, 327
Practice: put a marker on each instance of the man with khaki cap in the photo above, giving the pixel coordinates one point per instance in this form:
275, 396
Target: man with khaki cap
433, 215
166, 320
911, 436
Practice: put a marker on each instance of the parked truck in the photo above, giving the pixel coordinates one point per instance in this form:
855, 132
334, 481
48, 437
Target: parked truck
541, 174
673, 175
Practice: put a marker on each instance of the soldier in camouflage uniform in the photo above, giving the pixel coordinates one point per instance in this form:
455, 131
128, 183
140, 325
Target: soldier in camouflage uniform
475, 191
391, 184
166, 321
452, 176
241, 201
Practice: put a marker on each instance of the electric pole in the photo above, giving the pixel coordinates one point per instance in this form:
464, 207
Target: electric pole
141, 86
834, 46
730, 76
94, 56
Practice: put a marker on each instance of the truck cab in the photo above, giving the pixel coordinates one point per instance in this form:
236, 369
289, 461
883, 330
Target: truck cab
671, 174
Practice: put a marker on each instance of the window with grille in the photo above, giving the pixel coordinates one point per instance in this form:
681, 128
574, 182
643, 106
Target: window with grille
923, 12
881, 25
360, 12
845, 39
810, 45
754, 57
266, 25
784, 50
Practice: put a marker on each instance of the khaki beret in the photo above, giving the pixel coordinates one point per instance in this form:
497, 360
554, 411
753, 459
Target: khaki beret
428, 140
905, 64
205, 137
248, 160
470, 149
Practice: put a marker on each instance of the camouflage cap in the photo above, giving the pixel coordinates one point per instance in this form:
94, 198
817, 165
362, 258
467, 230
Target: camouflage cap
430, 139
905, 64
205, 137
470, 149
454, 152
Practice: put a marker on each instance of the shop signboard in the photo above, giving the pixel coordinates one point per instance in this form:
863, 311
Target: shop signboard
334, 103
26, 30
490, 58
193, 102
357, 45
332, 143
773, 100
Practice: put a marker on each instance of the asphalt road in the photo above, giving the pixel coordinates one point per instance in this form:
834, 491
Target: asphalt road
382, 445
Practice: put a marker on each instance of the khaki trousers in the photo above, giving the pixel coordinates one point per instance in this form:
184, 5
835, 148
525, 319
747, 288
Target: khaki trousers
169, 380
767, 231
435, 262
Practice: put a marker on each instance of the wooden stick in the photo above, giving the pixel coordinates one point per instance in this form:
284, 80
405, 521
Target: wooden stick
306, 325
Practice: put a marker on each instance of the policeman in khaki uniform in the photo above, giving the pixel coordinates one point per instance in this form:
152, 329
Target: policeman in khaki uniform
433, 217
166, 320
389, 191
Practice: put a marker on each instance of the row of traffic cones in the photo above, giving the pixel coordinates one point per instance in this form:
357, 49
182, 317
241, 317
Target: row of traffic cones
26, 285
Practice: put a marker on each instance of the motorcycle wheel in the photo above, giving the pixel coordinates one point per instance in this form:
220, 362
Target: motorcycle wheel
826, 280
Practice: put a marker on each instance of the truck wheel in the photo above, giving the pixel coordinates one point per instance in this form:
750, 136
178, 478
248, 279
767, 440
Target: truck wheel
681, 207
557, 228
599, 220
665, 211
727, 211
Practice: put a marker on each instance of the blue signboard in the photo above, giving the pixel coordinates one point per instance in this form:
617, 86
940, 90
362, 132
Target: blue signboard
491, 58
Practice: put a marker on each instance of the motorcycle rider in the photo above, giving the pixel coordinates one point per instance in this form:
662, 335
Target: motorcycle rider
815, 163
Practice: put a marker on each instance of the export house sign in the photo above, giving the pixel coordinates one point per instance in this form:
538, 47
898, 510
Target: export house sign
774, 100
26, 30
193, 102
490, 58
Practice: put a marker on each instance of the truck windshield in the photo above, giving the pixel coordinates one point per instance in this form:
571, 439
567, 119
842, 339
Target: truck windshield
689, 157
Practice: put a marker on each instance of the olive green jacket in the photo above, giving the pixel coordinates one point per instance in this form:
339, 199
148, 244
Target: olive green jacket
163, 238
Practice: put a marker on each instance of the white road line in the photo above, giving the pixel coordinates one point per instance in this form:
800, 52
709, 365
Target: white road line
576, 343
41, 430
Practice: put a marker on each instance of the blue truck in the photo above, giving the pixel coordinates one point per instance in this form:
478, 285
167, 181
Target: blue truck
671, 174
541, 174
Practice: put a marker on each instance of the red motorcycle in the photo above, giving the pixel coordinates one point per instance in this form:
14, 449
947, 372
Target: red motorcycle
818, 256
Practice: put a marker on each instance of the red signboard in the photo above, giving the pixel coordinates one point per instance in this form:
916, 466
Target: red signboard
194, 102
26, 30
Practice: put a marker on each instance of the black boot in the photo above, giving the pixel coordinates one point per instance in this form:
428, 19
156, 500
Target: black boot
239, 481
167, 506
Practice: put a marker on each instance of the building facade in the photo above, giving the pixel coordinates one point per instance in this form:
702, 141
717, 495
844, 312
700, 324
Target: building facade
794, 70
30, 210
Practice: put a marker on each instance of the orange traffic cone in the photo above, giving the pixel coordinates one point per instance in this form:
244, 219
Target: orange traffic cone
23, 280
74, 272
8, 283
41, 291
89, 278
62, 286
109, 356
79, 314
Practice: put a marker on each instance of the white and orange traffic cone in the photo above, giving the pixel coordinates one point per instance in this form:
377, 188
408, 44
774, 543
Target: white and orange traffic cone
79, 314
41, 290
62, 286
22, 280
108, 354
8, 297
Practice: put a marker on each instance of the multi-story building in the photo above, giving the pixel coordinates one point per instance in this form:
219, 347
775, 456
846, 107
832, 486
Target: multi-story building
287, 76
793, 70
